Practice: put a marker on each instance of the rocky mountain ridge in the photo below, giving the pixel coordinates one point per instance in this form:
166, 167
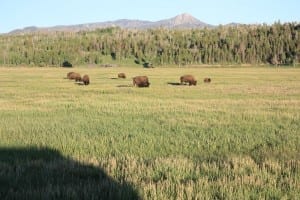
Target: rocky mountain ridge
182, 21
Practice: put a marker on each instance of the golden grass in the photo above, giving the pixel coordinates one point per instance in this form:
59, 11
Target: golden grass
237, 137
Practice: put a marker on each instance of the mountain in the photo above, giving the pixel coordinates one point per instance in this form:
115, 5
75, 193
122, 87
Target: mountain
234, 24
180, 21
183, 21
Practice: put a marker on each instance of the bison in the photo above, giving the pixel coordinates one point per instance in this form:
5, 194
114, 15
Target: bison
86, 79
78, 77
188, 79
207, 80
75, 76
141, 81
121, 75
69, 75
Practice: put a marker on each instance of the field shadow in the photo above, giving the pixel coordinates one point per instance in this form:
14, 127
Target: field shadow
175, 84
79, 83
44, 173
125, 85
113, 78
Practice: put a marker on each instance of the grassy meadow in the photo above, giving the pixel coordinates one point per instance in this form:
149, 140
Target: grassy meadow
235, 138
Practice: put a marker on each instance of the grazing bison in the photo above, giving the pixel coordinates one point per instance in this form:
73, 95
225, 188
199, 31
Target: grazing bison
141, 81
69, 75
188, 79
75, 76
207, 80
78, 77
86, 80
121, 75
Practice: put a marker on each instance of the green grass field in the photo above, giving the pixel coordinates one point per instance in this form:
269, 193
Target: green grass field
235, 138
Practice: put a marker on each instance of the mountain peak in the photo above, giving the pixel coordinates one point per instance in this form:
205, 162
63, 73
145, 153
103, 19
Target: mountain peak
185, 18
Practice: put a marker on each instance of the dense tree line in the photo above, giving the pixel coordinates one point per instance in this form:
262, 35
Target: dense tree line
249, 44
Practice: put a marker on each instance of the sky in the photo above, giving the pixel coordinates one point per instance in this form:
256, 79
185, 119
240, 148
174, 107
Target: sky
15, 14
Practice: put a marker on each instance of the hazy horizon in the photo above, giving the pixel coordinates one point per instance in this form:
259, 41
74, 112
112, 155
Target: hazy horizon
20, 14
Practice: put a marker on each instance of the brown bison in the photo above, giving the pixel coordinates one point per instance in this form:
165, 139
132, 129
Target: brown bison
69, 75
207, 80
188, 79
141, 81
121, 75
86, 80
78, 77
75, 76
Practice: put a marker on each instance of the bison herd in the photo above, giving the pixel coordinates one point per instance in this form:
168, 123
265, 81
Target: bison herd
76, 76
138, 81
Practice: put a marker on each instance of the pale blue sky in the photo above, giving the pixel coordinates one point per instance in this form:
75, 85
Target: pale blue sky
22, 13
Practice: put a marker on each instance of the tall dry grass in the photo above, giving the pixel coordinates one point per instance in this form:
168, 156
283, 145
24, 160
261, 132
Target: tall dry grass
235, 138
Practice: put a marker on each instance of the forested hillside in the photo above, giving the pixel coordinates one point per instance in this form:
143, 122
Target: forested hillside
278, 44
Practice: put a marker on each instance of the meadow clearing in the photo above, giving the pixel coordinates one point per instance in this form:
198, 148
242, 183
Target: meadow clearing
235, 138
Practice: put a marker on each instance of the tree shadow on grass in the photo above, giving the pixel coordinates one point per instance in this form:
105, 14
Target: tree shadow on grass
43, 173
